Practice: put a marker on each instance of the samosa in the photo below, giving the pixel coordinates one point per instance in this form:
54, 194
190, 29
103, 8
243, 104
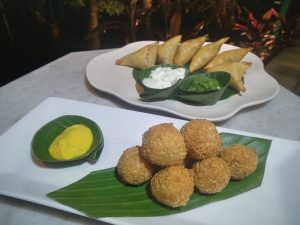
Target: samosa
142, 58
236, 70
229, 56
166, 51
205, 54
188, 49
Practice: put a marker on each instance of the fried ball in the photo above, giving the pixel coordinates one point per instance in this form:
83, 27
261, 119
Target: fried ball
242, 160
133, 168
172, 186
211, 175
201, 139
163, 145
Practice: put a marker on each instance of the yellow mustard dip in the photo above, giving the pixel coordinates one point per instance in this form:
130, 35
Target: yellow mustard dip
75, 141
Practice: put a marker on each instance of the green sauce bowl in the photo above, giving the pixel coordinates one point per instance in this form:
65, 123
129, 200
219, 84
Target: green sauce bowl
207, 97
43, 138
152, 94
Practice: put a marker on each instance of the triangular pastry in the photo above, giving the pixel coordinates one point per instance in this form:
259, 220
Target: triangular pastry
236, 70
188, 49
140, 59
166, 51
205, 54
229, 56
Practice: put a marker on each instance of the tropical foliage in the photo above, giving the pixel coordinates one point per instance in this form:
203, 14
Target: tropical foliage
50, 28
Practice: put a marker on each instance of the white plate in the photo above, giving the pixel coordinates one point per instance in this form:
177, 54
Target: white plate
276, 201
104, 75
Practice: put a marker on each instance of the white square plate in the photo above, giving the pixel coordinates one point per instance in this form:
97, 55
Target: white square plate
276, 201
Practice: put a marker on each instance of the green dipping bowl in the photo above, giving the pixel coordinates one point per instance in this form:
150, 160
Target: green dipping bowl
209, 97
154, 94
43, 138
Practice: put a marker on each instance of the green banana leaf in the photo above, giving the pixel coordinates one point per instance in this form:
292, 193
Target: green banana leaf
178, 90
43, 138
228, 93
204, 97
102, 194
152, 94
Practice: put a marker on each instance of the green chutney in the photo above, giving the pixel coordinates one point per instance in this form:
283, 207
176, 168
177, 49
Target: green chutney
204, 83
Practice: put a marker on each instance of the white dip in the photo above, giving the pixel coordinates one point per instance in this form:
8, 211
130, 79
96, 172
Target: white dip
163, 77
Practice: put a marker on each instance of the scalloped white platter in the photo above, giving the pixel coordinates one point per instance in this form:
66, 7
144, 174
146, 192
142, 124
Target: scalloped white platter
275, 202
104, 75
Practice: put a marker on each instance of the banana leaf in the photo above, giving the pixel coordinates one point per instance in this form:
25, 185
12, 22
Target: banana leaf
102, 194
152, 94
228, 93
43, 138
178, 90
204, 97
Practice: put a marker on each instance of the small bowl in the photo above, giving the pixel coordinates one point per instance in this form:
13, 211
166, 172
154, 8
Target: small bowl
154, 94
43, 138
209, 97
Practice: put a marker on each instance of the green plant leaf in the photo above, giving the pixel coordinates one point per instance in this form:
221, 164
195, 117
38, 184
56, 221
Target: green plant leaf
43, 138
102, 194
204, 97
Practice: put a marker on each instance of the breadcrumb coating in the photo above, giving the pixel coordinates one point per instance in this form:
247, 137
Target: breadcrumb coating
211, 175
133, 168
172, 186
242, 160
163, 145
201, 139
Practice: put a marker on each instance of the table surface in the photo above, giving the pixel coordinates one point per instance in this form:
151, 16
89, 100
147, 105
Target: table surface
65, 77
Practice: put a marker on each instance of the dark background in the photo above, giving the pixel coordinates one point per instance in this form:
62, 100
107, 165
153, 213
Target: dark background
33, 33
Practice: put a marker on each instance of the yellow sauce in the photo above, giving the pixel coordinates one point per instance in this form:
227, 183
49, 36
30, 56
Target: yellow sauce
75, 141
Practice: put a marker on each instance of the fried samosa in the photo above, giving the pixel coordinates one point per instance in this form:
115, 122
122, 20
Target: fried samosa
236, 70
229, 56
142, 58
187, 50
166, 51
205, 54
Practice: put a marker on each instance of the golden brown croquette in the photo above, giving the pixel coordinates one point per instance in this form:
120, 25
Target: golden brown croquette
133, 168
201, 139
242, 160
172, 186
211, 175
163, 145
